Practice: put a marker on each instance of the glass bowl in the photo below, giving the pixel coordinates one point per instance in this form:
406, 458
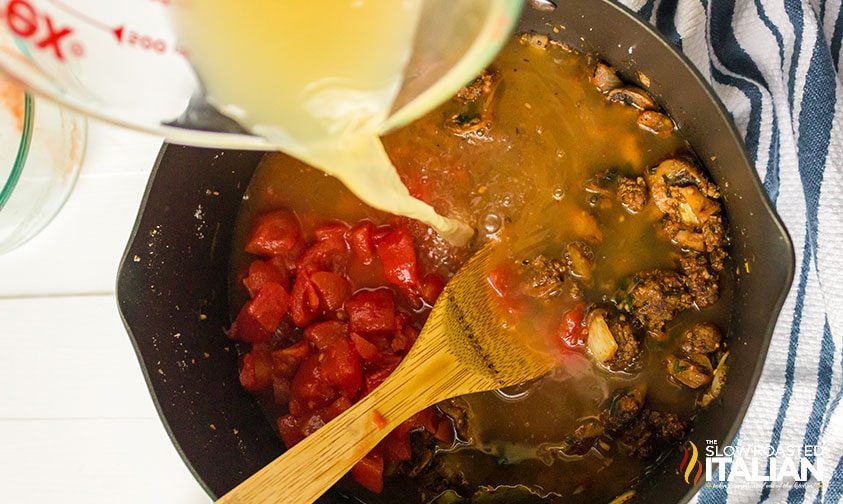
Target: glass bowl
41, 151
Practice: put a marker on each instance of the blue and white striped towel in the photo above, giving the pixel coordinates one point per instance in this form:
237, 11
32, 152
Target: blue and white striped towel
776, 66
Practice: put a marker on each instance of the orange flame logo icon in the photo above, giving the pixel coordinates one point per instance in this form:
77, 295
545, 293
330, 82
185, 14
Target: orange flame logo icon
690, 462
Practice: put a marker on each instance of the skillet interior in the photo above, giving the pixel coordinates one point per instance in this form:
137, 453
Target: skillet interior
172, 282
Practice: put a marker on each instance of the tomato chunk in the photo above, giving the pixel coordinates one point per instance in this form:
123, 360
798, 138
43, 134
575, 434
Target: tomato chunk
340, 365
368, 351
332, 288
371, 311
274, 233
398, 256
330, 254
280, 390
286, 361
361, 240
336, 408
369, 472
311, 424
396, 445
424, 419
309, 388
304, 301
263, 272
404, 338
256, 371
501, 280
375, 378
269, 306
288, 429
571, 330
431, 287
247, 328
342, 368
331, 230
324, 334
444, 431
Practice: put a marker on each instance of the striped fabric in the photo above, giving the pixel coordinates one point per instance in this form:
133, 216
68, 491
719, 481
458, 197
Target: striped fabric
776, 66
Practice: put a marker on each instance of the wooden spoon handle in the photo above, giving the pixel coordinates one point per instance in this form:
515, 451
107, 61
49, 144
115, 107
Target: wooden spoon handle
309, 469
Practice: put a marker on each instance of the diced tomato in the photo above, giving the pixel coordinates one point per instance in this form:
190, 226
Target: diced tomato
571, 330
374, 378
336, 408
402, 319
330, 254
396, 445
369, 472
295, 407
332, 288
325, 334
404, 338
262, 272
341, 367
288, 429
247, 328
256, 371
331, 230
280, 390
444, 431
311, 424
502, 280
286, 262
368, 351
424, 419
351, 343
381, 231
269, 306
304, 301
309, 388
398, 257
361, 240
431, 287
286, 361
274, 233
371, 311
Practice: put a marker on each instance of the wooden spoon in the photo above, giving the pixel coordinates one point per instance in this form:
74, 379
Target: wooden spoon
461, 350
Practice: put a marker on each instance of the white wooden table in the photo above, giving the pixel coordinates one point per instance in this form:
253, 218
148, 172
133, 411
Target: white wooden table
76, 421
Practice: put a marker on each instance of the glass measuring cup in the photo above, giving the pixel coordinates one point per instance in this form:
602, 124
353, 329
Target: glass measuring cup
121, 61
41, 150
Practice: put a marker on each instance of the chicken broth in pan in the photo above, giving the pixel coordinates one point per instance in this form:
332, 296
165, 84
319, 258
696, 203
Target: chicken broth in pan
627, 291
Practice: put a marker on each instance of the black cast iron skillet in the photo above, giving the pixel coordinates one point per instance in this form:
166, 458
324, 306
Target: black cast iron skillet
172, 282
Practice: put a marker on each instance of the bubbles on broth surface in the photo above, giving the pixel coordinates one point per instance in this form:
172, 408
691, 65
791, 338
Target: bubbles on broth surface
492, 223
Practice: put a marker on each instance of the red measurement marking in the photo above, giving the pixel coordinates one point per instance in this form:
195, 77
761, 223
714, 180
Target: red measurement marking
122, 34
145, 42
25, 21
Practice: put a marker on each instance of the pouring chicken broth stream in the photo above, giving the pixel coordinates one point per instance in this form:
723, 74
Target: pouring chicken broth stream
532, 143
292, 72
